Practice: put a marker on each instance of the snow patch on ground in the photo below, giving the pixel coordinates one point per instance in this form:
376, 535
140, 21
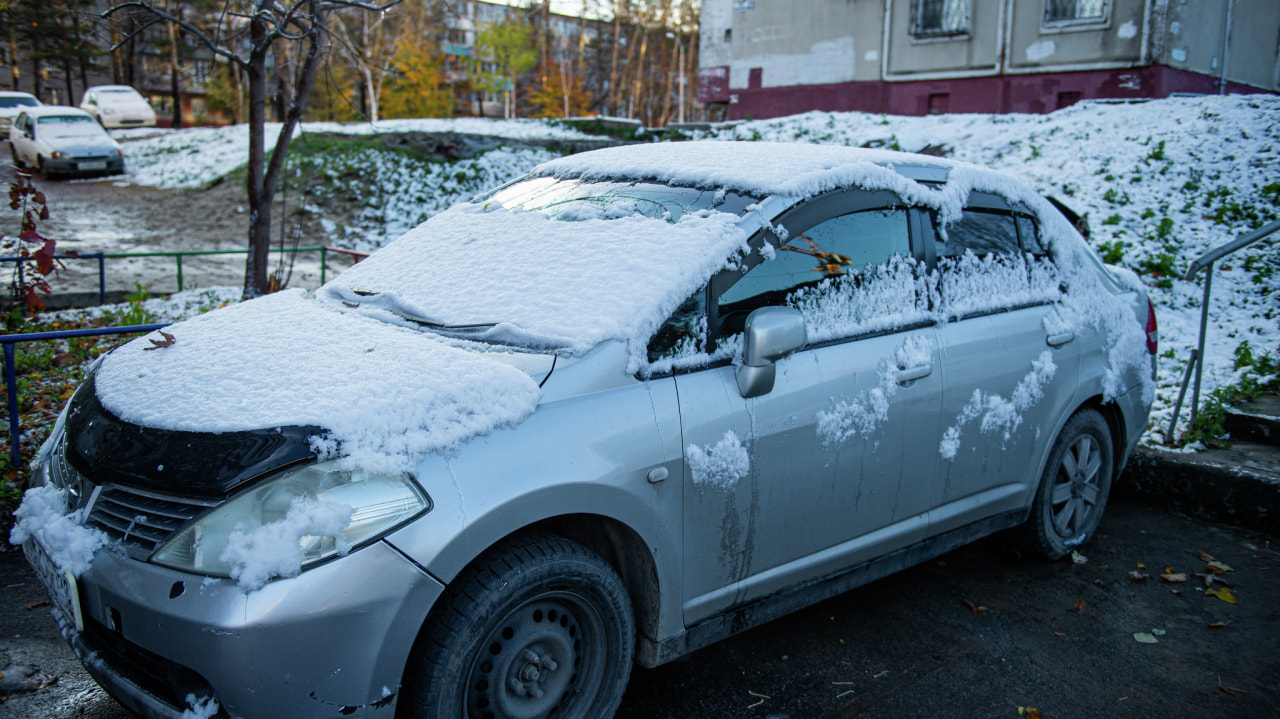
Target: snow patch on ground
721, 465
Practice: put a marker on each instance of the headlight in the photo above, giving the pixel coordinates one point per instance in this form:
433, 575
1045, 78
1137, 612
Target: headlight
56, 155
274, 519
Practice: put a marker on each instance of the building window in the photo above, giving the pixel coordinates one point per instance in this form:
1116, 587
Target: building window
940, 17
728, 34
1071, 10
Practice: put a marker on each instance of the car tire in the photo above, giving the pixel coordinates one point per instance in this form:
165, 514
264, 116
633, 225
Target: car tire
14, 153
539, 626
1074, 487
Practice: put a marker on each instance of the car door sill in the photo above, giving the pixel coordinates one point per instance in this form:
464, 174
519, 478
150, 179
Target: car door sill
651, 653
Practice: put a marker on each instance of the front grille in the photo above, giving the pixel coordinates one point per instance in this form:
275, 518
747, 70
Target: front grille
142, 521
165, 680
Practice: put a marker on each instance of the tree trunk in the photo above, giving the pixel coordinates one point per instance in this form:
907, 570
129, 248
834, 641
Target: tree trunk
255, 269
175, 73
612, 108
13, 45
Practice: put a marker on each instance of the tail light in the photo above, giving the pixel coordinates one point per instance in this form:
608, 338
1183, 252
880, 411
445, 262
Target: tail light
1153, 332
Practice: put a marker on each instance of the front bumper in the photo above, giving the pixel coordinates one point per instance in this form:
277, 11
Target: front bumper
331, 642
84, 165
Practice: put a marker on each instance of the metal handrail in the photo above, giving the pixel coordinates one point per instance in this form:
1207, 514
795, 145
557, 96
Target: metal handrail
101, 257
1205, 262
11, 375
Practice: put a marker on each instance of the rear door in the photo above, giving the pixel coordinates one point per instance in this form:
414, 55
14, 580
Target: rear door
805, 479
1010, 371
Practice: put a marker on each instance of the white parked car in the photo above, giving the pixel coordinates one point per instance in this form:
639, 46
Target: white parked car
118, 106
63, 141
12, 103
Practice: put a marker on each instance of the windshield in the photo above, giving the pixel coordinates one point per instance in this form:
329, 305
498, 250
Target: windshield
67, 125
119, 95
575, 200
18, 102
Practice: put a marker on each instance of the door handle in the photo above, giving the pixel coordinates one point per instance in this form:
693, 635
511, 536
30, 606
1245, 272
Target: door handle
1060, 339
913, 373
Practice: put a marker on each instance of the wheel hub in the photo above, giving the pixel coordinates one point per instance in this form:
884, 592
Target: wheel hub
529, 670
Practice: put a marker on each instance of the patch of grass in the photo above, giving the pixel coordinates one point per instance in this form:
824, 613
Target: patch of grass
1114, 219
1117, 197
1261, 376
1112, 252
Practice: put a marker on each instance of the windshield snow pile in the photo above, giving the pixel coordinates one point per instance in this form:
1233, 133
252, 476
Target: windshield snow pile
387, 395
543, 282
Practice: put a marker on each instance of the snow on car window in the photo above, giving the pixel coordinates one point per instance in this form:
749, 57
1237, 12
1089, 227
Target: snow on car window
972, 284
67, 125
575, 200
880, 297
560, 285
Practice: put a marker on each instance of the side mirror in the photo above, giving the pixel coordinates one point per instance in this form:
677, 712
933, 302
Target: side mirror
771, 333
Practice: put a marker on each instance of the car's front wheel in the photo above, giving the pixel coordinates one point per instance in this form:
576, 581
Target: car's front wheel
1074, 488
537, 627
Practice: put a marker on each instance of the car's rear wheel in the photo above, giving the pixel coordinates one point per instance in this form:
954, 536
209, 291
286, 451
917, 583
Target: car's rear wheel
1074, 488
537, 627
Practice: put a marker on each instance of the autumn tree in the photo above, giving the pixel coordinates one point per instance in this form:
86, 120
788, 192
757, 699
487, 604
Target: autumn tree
246, 33
503, 53
417, 86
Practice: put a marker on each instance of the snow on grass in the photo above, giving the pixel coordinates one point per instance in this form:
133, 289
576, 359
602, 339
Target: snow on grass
1161, 182
196, 157
721, 465
398, 192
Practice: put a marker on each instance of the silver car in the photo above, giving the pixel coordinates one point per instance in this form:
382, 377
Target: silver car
614, 411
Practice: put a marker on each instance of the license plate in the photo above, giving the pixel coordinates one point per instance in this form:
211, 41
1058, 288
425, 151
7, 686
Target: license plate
100, 165
61, 584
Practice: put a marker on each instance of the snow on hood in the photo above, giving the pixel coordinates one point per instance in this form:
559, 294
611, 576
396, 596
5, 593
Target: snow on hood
386, 395
568, 285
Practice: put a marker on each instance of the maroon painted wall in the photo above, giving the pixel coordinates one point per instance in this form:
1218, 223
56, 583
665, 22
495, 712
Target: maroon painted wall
1038, 93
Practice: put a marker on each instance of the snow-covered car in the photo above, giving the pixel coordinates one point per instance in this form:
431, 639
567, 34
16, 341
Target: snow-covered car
115, 106
637, 401
11, 103
63, 141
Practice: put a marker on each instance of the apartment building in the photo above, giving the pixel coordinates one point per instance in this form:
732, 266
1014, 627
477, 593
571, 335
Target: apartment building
767, 58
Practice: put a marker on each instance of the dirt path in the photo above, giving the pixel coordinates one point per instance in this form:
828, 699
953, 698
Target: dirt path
100, 215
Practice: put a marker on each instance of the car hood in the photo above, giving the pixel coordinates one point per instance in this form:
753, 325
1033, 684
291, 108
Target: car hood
284, 377
81, 145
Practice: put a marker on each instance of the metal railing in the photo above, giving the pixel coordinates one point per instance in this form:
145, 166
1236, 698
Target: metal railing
11, 374
1205, 262
102, 257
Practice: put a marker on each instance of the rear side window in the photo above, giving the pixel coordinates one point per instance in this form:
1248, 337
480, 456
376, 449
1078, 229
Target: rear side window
979, 232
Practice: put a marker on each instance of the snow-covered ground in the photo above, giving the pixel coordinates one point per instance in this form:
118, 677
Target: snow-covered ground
1161, 182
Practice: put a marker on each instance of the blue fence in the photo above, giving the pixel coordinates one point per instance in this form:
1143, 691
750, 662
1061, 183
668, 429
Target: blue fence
11, 375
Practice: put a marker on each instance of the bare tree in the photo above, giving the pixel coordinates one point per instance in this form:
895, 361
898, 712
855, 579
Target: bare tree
244, 33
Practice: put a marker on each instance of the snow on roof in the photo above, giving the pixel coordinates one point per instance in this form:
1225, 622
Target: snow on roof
387, 395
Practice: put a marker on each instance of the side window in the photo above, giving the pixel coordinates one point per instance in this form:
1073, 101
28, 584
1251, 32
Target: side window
826, 265
983, 233
991, 261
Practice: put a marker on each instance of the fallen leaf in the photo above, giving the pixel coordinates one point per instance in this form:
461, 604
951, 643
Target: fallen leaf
1080, 605
973, 607
1059, 634
1217, 625
1030, 713
1178, 578
37, 605
1078, 558
1206, 557
1222, 593
1230, 690
161, 344
1177, 592
1168, 569
1145, 638
1217, 567
1158, 632
1138, 576
1141, 565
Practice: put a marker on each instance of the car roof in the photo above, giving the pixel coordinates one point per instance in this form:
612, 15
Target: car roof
758, 168
48, 110
15, 93
113, 87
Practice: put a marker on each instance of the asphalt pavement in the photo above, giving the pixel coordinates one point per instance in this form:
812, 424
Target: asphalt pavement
978, 632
